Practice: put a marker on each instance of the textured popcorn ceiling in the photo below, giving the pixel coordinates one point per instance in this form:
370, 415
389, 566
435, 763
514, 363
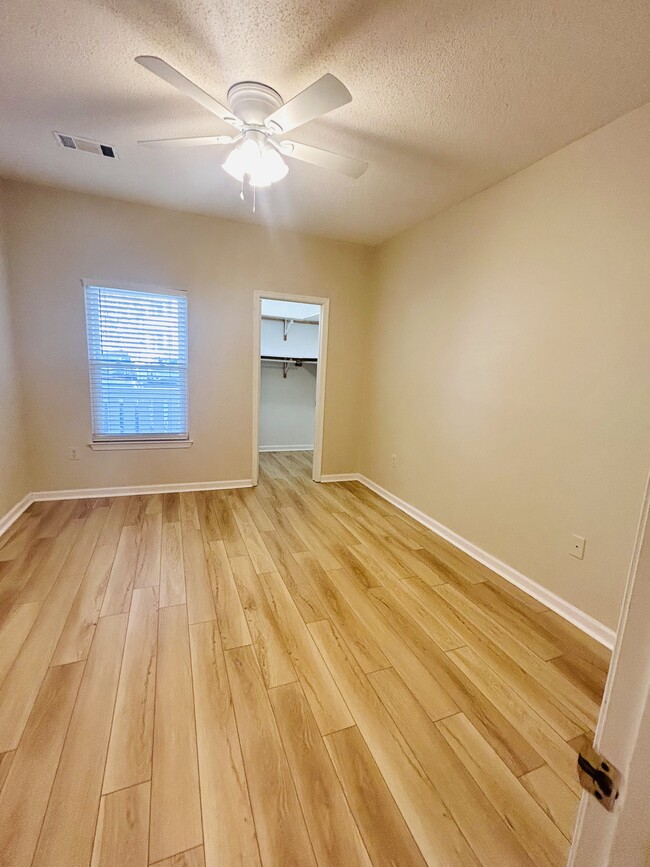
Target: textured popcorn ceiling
448, 97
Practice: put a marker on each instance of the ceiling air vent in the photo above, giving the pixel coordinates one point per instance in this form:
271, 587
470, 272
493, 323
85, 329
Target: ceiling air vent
75, 143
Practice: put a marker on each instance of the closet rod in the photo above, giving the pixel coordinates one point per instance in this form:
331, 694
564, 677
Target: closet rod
287, 362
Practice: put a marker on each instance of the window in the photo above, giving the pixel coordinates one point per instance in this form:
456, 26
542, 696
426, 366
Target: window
137, 351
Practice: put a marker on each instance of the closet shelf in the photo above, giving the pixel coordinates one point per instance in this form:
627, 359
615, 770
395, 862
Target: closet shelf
286, 361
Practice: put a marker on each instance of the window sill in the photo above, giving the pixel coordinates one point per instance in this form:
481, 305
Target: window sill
153, 444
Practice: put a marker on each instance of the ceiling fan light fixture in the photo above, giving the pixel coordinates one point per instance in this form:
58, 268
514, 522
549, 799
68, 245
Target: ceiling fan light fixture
270, 169
260, 163
241, 159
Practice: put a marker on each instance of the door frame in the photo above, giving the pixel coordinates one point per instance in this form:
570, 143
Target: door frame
321, 371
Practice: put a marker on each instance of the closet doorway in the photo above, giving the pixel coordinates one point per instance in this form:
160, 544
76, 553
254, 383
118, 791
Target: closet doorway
290, 346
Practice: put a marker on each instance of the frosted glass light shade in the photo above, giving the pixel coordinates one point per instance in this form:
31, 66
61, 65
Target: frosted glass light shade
263, 166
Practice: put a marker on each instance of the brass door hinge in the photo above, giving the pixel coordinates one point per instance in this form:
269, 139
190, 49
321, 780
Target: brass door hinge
599, 777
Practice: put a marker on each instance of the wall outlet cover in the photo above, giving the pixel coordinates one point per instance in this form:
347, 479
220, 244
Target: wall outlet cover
577, 548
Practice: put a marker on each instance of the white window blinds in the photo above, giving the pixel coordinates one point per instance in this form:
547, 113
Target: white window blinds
137, 349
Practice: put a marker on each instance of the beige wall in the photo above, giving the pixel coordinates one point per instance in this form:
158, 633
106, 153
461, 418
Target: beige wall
13, 468
510, 365
57, 238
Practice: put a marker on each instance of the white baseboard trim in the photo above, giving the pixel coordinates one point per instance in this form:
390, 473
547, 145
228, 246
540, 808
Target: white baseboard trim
14, 513
130, 491
341, 477
286, 448
597, 630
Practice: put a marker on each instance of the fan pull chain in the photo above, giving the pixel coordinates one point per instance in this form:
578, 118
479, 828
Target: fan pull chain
253, 199
241, 195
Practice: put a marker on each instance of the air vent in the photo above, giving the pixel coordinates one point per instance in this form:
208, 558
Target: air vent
76, 143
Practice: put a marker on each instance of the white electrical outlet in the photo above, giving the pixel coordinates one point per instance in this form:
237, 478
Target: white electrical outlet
577, 546
73, 453
393, 461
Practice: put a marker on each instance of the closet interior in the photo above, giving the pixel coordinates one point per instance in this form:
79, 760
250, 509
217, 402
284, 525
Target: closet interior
289, 342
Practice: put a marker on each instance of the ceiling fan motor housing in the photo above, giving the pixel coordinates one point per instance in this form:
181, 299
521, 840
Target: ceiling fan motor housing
253, 102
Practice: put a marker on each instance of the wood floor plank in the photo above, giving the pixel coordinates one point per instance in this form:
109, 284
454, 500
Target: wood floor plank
558, 801
74, 643
571, 704
136, 510
171, 509
191, 858
281, 830
272, 655
147, 569
485, 640
175, 804
288, 567
13, 633
200, 602
585, 676
5, 763
260, 557
231, 536
15, 574
572, 641
122, 835
523, 628
424, 538
117, 599
280, 522
154, 504
364, 647
112, 528
34, 763
131, 742
233, 626
333, 832
189, 511
56, 518
45, 574
78, 782
208, 517
22, 683
382, 826
489, 836
536, 730
537, 834
372, 561
435, 700
314, 544
172, 570
511, 746
406, 594
229, 831
18, 537
324, 698
248, 496
436, 834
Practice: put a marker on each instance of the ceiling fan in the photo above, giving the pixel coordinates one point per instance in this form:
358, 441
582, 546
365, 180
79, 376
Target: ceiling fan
261, 120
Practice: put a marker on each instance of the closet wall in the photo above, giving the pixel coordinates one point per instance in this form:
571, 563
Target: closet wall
287, 406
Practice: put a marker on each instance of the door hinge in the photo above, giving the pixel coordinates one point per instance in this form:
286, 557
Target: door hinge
599, 777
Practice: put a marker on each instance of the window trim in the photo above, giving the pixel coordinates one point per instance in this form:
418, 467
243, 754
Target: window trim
130, 441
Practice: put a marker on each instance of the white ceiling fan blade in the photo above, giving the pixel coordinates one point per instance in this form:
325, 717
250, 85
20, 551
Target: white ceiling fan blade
194, 141
320, 97
188, 88
349, 166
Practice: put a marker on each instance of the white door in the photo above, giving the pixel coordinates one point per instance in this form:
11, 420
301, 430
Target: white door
622, 838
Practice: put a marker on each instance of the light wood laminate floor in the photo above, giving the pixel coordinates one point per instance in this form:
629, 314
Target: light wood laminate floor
291, 675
